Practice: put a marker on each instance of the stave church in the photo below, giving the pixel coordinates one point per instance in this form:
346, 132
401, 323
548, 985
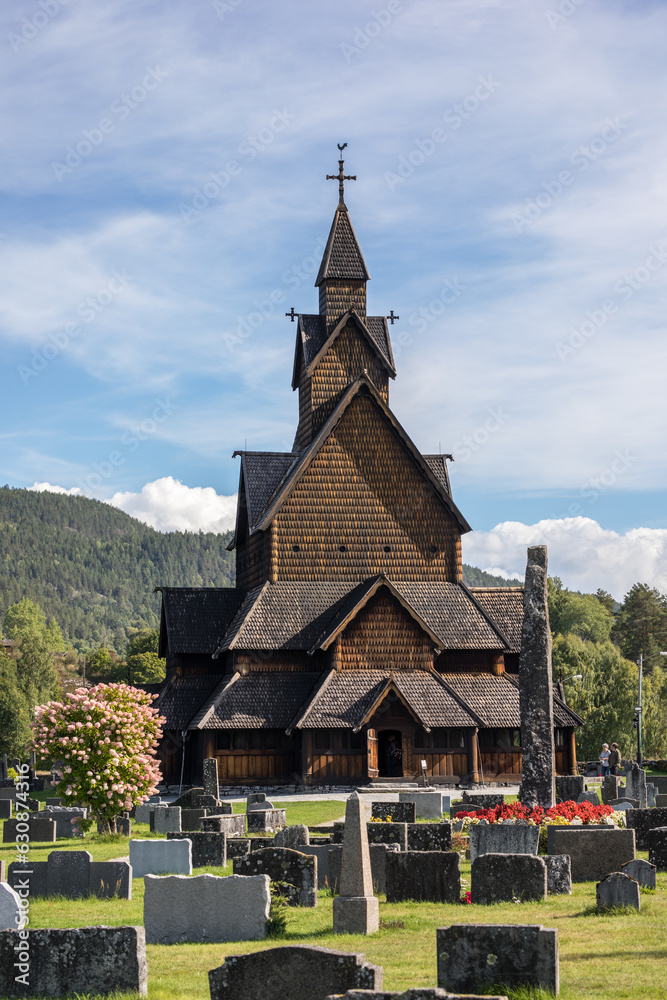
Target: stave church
350, 650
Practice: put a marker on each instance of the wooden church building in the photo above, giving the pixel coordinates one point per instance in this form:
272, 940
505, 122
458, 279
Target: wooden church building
350, 649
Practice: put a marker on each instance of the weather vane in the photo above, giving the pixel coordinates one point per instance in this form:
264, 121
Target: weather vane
341, 177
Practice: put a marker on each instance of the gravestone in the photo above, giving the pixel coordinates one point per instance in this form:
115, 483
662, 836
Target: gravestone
321, 852
142, 813
197, 798
209, 849
166, 819
591, 797
610, 786
651, 796
657, 847
298, 871
124, 826
428, 805
559, 874
41, 830
236, 846
221, 810
429, 836
569, 787
109, 879
641, 871
378, 855
5, 808
515, 954
68, 874
660, 782
211, 786
417, 993
91, 961
643, 820
503, 838
301, 971
574, 827
622, 805
160, 857
266, 820
205, 908
48, 803
338, 832
446, 803
10, 908
593, 853
535, 687
294, 837
66, 819
388, 833
233, 826
484, 799
254, 797
429, 876
635, 784
356, 909
464, 807
617, 889
30, 878
394, 812
191, 819
260, 806
661, 800
501, 878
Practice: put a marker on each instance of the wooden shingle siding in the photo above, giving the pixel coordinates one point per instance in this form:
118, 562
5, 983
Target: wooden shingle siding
252, 561
337, 296
383, 637
362, 492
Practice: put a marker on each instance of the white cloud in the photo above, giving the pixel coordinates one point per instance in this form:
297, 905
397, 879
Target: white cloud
169, 505
585, 555
48, 488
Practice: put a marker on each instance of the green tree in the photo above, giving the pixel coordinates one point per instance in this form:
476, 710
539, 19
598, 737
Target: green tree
641, 625
15, 733
99, 663
143, 665
23, 618
584, 615
25, 623
606, 599
654, 714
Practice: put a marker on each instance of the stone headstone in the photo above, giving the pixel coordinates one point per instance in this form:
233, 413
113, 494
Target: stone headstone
428, 804
260, 806
559, 875
50, 802
657, 847
85, 960
293, 971
569, 787
191, 819
378, 855
446, 803
205, 908
10, 908
591, 797
651, 796
617, 889
321, 852
503, 838
593, 853
294, 837
643, 820
254, 797
236, 846
209, 849
610, 786
297, 871
68, 874
356, 909
109, 879
166, 819
41, 830
429, 836
388, 833
266, 820
635, 784
160, 857
233, 826
429, 876
464, 807
661, 800
211, 786
501, 878
660, 782
470, 955
142, 813
484, 799
30, 878
124, 826
221, 810
416, 993
394, 812
66, 819
641, 871
621, 805
535, 687
5, 808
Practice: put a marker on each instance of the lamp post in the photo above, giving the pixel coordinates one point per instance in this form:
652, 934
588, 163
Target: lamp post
638, 712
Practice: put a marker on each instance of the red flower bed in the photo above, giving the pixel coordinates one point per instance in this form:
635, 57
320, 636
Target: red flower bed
585, 811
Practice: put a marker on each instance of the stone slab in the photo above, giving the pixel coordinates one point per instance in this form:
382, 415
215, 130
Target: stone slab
64, 817
388, 833
233, 826
110, 879
429, 836
266, 820
356, 915
210, 770
429, 876
41, 830
205, 908
559, 874
166, 819
237, 846
593, 853
502, 878
617, 889
5, 808
569, 787
641, 871
296, 837
209, 849
10, 908
191, 819
428, 805
470, 955
161, 857
282, 865
92, 961
30, 877
576, 827
378, 858
68, 874
643, 820
395, 812
657, 847
305, 972
503, 838
487, 800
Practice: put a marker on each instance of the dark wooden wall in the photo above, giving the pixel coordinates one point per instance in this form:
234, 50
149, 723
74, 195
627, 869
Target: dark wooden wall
384, 636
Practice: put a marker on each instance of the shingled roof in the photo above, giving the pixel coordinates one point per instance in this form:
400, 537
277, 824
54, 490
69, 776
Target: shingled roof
495, 699
312, 340
505, 606
194, 618
438, 466
342, 256
266, 699
263, 471
181, 696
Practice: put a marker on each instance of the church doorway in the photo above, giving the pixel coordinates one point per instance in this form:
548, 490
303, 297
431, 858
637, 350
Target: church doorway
390, 754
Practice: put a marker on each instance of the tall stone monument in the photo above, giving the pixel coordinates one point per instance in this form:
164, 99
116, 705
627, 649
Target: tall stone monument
211, 786
356, 910
535, 687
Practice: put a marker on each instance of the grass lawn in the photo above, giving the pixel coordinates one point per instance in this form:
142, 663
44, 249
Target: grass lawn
601, 957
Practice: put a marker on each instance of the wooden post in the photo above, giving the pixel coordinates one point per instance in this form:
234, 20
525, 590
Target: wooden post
306, 757
573, 753
473, 757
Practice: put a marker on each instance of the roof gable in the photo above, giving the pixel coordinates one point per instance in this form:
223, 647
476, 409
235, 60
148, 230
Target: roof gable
342, 256
312, 342
194, 618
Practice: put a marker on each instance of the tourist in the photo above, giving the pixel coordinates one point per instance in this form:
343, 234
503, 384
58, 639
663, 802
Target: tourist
604, 760
614, 759
395, 755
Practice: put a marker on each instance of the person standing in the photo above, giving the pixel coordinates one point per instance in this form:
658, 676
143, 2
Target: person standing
604, 760
614, 759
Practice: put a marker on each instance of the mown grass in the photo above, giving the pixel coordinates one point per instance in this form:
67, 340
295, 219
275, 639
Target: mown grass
602, 956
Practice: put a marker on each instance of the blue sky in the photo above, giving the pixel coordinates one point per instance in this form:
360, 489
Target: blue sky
164, 202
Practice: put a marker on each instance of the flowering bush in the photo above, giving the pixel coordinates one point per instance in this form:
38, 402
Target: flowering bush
564, 812
106, 736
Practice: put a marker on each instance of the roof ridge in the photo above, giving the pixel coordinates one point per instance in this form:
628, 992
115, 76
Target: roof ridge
493, 625
461, 701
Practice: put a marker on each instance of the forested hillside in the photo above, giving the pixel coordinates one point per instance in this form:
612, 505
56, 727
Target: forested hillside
93, 568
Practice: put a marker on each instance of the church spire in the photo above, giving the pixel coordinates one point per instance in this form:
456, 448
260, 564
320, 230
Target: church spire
341, 177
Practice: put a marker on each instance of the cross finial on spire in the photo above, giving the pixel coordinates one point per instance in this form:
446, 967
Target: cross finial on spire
341, 177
